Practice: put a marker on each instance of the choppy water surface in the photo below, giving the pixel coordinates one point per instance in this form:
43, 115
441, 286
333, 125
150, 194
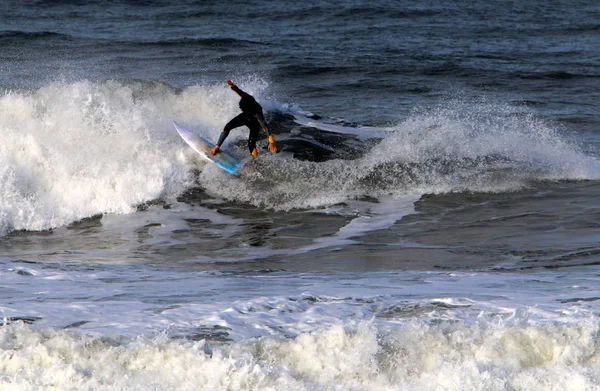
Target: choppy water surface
431, 221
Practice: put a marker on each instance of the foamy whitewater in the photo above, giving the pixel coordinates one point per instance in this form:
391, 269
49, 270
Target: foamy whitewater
429, 223
425, 334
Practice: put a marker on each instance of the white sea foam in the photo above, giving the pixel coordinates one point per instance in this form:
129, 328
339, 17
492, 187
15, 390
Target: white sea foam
72, 151
414, 355
134, 328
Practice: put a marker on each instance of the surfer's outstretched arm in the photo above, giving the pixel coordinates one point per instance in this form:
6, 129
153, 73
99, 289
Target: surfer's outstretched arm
236, 89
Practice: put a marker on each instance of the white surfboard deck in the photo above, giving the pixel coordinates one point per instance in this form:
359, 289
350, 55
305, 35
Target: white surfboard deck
222, 159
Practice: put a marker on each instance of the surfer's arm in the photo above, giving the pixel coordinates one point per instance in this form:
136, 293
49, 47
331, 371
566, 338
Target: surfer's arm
236, 89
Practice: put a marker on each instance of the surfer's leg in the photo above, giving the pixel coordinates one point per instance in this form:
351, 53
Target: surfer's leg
236, 122
253, 138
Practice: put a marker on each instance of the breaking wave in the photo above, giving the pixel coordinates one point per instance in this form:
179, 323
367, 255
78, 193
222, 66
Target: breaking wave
74, 150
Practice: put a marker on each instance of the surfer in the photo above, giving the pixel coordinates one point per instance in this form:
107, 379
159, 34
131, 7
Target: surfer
251, 116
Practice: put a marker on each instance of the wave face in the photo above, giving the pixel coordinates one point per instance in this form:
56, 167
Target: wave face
74, 150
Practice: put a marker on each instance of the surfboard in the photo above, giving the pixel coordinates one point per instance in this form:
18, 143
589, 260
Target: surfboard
223, 160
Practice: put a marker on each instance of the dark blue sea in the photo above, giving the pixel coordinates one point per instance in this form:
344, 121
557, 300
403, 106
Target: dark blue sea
431, 221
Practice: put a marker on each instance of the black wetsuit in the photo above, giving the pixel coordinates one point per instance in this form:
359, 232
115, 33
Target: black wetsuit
251, 116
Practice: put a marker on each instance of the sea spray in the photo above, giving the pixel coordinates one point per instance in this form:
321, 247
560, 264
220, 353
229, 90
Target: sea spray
480, 144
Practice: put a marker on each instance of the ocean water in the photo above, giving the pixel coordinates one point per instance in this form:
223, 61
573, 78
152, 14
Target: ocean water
430, 223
